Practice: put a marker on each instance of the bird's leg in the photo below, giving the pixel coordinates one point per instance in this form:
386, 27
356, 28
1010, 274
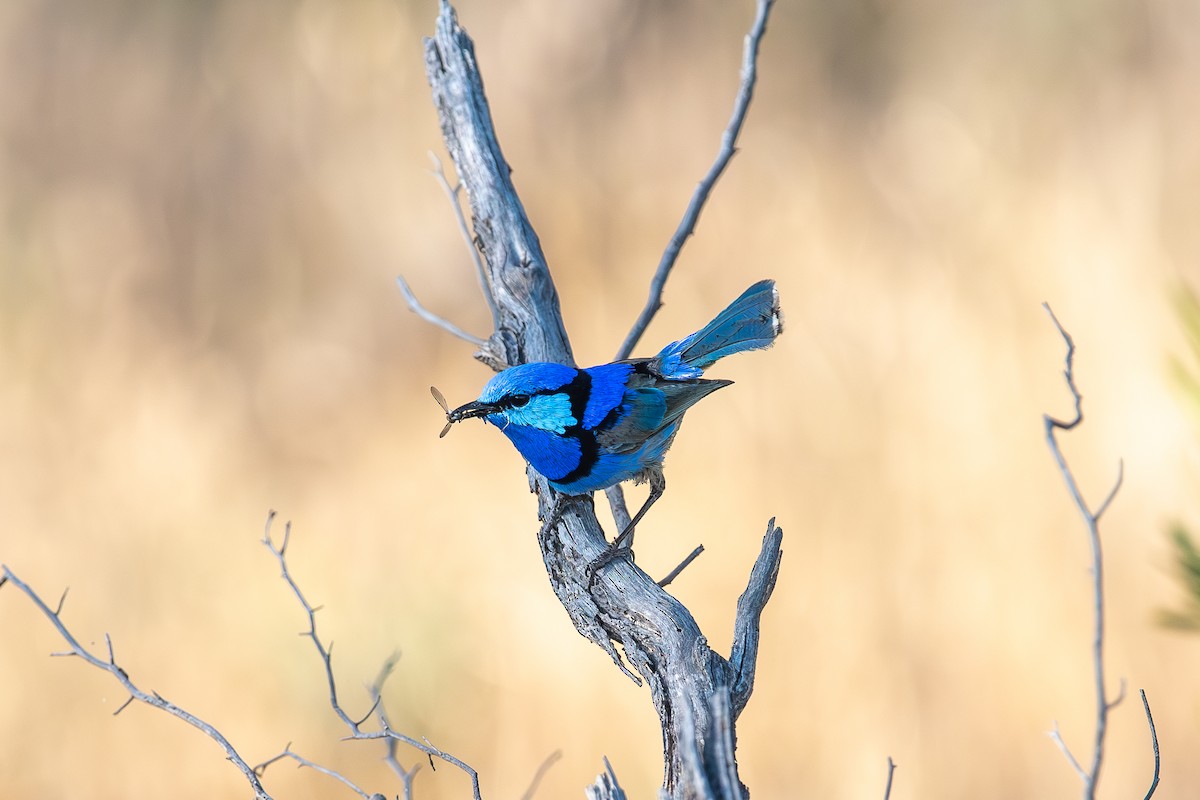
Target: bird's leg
658, 485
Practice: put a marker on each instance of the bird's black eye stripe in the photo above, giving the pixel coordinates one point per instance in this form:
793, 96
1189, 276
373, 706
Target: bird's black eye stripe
518, 401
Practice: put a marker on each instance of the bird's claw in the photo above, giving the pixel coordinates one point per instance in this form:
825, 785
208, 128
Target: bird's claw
611, 553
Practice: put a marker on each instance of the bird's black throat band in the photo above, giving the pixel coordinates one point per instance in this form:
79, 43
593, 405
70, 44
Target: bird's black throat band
580, 392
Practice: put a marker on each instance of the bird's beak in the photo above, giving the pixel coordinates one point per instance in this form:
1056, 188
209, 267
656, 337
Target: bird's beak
471, 409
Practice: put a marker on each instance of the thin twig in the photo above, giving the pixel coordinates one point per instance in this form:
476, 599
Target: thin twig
749, 76
887, 790
1113, 491
728, 147
1120, 698
616, 502
452, 193
421, 311
326, 653
356, 733
406, 776
542, 769
1056, 735
673, 574
301, 761
1092, 522
1154, 742
57, 609
149, 698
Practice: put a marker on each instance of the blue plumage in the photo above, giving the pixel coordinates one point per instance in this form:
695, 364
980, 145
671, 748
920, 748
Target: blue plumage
588, 429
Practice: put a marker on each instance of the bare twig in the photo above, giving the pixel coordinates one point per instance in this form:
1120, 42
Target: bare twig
1153, 742
301, 761
542, 769
1092, 522
1056, 735
326, 653
1120, 698
149, 698
616, 496
673, 574
58, 608
386, 731
421, 311
452, 193
887, 790
728, 147
406, 776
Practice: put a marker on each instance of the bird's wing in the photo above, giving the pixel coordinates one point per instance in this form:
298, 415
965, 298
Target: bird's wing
649, 409
682, 395
640, 414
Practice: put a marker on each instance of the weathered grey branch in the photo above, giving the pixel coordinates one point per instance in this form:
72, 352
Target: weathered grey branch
1091, 775
452, 194
743, 657
673, 574
545, 766
691, 215
301, 761
406, 776
385, 732
110, 666
530, 324
696, 691
415, 306
687, 225
1153, 743
887, 790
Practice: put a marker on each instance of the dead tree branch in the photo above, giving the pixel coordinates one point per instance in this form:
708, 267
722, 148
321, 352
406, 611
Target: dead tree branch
385, 732
687, 225
1090, 775
887, 790
697, 692
1153, 744
691, 215
110, 665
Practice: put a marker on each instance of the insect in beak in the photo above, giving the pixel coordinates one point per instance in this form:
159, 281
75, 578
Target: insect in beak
441, 401
472, 409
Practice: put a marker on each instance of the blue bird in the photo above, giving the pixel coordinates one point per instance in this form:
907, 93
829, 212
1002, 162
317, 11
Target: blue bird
589, 429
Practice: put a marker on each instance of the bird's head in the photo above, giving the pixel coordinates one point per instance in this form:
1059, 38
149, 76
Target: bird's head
530, 395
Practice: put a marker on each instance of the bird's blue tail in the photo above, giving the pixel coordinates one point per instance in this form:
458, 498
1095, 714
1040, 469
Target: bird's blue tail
749, 323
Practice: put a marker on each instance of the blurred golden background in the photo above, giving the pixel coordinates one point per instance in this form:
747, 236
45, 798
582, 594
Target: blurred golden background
202, 210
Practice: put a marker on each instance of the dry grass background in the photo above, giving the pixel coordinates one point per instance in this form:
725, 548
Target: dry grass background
202, 208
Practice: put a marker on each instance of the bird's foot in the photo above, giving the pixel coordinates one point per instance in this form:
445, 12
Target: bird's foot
617, 549
554, 515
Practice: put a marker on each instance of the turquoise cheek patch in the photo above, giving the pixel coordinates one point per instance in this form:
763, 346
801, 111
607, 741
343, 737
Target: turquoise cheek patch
548, 412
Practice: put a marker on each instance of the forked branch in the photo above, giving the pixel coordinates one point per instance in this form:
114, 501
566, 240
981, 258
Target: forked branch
385, 732
110, 665
1090, 774
696, 691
